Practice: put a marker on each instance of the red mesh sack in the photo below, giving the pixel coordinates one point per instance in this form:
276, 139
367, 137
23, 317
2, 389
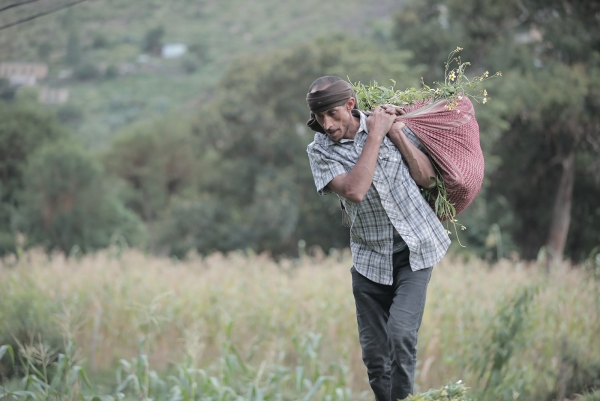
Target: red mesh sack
452, 139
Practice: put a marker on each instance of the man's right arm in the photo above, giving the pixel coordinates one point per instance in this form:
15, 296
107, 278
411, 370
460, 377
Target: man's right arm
355, 185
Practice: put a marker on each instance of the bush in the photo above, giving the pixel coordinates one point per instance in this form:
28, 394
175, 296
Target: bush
70, 114
153, 40
112, 71
594, 396
66, 202
190, 64
86, 72
24, 127
100, 41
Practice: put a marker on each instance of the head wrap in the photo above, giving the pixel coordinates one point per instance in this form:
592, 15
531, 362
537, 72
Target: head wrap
336, 94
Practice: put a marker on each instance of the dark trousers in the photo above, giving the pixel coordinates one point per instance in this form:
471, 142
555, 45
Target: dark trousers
388, 318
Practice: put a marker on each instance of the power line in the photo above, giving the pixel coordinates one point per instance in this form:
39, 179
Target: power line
16, 5
32, 17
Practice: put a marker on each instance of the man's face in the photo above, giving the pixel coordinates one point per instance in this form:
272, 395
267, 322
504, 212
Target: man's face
336, 121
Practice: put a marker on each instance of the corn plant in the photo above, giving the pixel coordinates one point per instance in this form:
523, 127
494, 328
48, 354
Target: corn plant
49, 376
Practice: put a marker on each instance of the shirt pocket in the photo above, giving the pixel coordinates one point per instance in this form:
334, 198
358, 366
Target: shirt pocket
386, 151
390, 156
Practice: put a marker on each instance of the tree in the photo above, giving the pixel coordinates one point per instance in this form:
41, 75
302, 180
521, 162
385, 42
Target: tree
238, 176
24, 127
153, 40
548, 52
255, 127
157, 162
7, 92
66, 202
573, 59
73, 54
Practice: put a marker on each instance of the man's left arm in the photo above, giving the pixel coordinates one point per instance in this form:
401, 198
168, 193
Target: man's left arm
420, 167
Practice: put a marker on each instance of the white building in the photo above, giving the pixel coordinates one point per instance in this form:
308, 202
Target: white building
173, 50
23, 74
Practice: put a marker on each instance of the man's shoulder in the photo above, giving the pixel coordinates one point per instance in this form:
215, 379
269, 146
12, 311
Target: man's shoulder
319, 141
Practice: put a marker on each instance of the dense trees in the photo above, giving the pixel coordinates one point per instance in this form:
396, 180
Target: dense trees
23, 129
549, 54
66, 203
246, 182
52, 190
236, 175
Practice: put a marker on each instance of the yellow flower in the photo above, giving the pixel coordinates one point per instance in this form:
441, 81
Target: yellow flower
463, 228
486, 74
457, 112
484, 92
484, 100
499, 73
452, 76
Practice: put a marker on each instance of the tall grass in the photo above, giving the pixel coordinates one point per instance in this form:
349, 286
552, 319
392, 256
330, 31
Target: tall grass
297, 317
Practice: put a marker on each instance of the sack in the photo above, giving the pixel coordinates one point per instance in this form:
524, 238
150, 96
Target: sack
452, 139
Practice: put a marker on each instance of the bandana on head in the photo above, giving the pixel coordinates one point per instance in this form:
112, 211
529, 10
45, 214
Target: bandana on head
336, 94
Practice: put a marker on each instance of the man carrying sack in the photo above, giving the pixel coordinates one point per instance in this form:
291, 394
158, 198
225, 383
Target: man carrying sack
375, 165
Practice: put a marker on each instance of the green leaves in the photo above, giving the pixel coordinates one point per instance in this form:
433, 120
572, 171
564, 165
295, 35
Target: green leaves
373, 95
452, 391
455, 84
9, 349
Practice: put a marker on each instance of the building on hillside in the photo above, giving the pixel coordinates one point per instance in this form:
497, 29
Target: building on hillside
23, 74
53, 95
173, 50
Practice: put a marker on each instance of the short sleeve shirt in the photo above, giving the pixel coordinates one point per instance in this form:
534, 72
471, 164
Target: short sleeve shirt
392, 204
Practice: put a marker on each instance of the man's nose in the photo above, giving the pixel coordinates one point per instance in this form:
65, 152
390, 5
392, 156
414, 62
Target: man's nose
327, 123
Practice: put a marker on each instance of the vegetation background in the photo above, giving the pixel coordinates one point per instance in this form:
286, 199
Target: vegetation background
184, 157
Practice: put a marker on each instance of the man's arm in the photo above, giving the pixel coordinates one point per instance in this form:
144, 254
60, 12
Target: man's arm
420, 167
355, 185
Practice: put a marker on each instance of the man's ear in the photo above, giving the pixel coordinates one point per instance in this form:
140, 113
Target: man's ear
350, 104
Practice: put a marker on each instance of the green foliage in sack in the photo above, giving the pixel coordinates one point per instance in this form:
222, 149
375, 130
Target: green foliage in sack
455, 85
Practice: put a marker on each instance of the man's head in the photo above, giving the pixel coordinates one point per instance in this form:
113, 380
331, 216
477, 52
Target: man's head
331, 100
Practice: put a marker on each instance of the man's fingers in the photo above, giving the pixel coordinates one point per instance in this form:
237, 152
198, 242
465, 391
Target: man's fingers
390, 108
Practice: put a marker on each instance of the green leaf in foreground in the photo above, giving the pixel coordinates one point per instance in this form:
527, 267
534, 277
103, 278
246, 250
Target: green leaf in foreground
453, 391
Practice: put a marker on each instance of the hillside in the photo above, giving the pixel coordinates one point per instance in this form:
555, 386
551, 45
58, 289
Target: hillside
99, 50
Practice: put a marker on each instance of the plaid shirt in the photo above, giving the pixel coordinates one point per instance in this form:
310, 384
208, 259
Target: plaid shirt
392, 204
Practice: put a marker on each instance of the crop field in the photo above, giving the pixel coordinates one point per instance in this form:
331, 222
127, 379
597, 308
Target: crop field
296, 316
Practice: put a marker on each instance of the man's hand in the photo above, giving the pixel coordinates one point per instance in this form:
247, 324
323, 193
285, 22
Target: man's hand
396, 131
396, 110
355, 185
380, 121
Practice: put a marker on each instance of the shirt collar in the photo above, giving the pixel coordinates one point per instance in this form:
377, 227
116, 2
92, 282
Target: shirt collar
363, 122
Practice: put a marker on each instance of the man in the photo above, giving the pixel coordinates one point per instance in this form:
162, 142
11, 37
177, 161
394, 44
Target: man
375, 166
